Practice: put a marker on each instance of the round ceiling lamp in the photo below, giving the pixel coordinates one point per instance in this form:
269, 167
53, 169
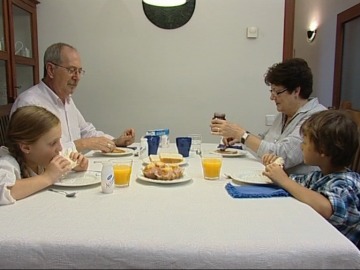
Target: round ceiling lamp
170, 17
165, 3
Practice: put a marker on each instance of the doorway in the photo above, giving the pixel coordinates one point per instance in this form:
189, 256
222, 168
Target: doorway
347, 58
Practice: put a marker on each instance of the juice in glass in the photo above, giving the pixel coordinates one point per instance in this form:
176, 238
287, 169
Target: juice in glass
211, 166
122, 173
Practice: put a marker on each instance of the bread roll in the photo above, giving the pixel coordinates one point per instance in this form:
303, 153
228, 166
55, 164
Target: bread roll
280, 161
66, 154
162, 171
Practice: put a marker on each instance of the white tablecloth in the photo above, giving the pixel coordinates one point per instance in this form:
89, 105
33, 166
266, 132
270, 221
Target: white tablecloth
188, 225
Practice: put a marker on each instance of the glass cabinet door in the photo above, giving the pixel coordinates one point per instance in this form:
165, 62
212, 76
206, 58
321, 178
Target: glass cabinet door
22, 32
24, 78
24, 48
2, 36
3, 85
19, 63
4, 62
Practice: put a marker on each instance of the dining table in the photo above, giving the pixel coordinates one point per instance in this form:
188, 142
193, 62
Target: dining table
187, 224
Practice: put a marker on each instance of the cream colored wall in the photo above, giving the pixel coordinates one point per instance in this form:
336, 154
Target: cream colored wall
320, 54
141, 76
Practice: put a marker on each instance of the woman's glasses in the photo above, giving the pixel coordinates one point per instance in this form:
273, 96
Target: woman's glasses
276, 93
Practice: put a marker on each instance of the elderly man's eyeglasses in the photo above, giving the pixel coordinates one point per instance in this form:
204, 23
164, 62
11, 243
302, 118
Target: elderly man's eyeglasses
276, 93
71, 70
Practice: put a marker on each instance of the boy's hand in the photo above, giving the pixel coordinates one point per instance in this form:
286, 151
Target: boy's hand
269, 158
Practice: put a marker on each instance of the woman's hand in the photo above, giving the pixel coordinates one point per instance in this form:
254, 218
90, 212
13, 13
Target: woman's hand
81, 160
231, 131
229, 141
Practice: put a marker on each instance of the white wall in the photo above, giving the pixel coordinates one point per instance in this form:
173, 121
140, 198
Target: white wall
320, 54
141, 76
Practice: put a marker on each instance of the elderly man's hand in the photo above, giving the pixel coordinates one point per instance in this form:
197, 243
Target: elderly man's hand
127, 138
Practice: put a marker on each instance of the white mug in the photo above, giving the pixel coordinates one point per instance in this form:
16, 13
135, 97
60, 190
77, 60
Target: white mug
18, 47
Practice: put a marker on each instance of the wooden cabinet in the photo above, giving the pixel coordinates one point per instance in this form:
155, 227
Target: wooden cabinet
19, 59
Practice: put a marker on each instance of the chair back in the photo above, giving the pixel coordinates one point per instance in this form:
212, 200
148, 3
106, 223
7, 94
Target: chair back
355, 115
4, 122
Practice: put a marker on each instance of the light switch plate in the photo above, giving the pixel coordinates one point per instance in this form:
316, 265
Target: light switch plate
252, 32
269, 119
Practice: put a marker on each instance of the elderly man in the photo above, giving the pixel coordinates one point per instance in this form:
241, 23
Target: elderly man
62, 73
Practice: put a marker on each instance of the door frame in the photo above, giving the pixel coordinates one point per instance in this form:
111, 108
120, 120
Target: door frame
342, 19
289, 20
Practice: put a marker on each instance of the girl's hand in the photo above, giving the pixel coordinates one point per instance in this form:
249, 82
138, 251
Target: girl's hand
57, 167
81, 160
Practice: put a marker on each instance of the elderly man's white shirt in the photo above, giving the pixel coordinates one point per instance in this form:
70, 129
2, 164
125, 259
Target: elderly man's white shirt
73, 124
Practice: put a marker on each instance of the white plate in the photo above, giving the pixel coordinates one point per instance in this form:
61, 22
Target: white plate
231, 152
251, 177
78, 179
185, 178
146, 161
128, 151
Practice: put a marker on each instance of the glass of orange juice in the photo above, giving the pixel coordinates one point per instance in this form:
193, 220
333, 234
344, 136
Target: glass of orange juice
211, 163
122, 172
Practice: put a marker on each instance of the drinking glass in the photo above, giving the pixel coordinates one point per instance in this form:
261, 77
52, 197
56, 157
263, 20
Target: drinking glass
211, 164
196, 140
122, 172
153, 144
183, 145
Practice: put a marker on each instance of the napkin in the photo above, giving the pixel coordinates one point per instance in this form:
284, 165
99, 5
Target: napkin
231, 146
256, 191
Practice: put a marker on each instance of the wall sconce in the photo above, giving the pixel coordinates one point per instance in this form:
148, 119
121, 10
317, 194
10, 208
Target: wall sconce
311, 35
165, 3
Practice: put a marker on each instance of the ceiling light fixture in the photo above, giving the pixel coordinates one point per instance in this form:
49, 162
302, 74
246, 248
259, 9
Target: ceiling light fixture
165, 3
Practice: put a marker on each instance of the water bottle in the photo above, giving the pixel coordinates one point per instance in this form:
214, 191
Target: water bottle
107, 178
143, 151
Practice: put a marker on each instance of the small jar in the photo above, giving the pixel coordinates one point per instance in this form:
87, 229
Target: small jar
218, 115
107, 178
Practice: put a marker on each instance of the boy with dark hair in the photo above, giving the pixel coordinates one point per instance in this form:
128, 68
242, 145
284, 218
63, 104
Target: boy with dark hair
330, 140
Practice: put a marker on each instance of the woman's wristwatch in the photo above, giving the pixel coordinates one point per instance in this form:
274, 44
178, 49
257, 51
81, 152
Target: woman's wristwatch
244, 137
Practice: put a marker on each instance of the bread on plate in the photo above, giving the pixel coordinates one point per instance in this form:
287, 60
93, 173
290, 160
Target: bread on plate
171, 157
162, 171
